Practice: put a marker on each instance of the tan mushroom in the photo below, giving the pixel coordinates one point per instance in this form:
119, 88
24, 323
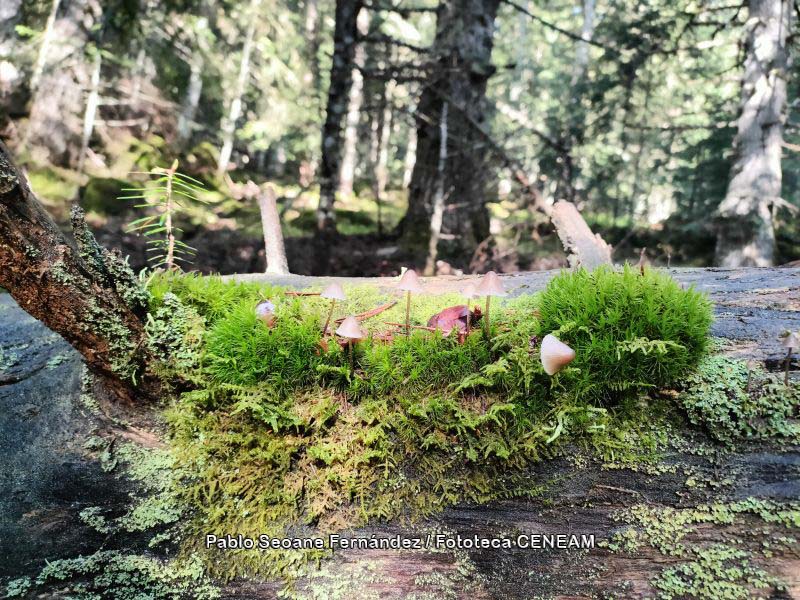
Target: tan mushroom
333, 293
490, 285
555, 354
351, 331
409, 282
791, 342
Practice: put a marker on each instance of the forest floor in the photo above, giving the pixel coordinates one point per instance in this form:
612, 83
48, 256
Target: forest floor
701, 514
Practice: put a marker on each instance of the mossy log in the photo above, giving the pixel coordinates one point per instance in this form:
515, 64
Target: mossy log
85, 293
49, 477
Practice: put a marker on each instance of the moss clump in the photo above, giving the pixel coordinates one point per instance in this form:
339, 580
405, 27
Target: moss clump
732, 400
279, 434
630, 330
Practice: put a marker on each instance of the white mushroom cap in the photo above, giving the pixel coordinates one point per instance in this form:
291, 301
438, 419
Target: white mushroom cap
555, 354
265, 308
491, 285
350, 329
333, 292
792, 340
409, 282
470, 290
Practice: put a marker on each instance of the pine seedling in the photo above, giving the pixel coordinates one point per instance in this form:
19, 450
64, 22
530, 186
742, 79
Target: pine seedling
167, 193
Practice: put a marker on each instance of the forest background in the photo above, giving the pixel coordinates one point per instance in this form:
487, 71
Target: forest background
430, 134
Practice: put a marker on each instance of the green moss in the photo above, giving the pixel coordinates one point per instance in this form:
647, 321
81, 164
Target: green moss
631, 331
279, 434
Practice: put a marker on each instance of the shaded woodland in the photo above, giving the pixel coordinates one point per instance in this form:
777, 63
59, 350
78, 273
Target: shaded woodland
429, 134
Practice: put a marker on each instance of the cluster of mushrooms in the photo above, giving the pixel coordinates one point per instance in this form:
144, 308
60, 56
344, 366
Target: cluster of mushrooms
555, 354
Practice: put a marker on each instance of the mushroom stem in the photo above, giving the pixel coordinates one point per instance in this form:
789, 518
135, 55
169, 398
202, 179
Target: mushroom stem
328, 320
786, 371
408, 313
350, 349
486, 328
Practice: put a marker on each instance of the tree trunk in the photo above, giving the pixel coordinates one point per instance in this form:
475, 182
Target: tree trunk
312, 44
13, 83
382, 130
92, 102
345, 39
356, 99
273, 236
55, 120
44, 48
463, 47
192, 98
90, 297
438, 197
745, 235
410, 159
229, 123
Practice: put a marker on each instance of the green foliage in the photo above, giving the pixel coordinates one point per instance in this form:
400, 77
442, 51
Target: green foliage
630, 331
165, 193
241, 350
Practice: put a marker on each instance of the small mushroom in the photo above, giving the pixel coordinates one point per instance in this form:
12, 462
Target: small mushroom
265, 311
469, 292
490, 285
555, 354
333, 293
409, 282
351, 331
791, 342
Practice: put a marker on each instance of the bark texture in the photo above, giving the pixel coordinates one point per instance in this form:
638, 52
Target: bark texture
462, 50
746, 236
345, 40
89, 296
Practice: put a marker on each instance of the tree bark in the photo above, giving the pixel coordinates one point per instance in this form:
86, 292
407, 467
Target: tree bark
235, 111
463, 48
745, 229
89, 296
438, 197
345, 39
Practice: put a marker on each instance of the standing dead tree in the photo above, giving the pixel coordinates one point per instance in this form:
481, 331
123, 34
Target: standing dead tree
87, 294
